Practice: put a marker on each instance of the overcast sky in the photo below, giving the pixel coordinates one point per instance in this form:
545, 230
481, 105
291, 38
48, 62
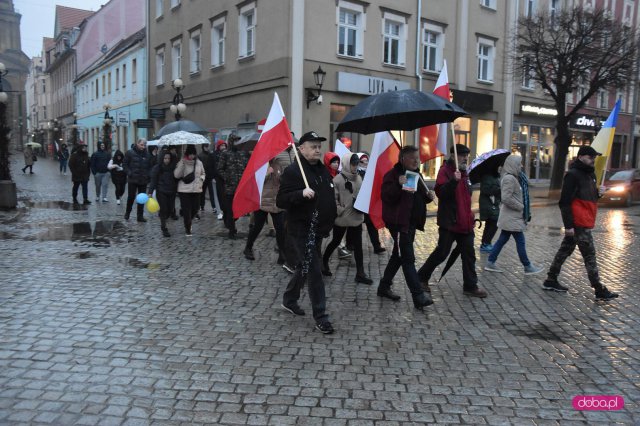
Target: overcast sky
38, 17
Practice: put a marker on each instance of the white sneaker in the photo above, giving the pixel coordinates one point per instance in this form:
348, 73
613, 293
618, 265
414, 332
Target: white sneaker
220, 216
118, 201
491, 266
97, 198
104, 200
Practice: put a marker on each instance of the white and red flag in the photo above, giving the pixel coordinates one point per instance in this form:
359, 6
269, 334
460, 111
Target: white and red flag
274, 139
341, 150
433, 139
384, 154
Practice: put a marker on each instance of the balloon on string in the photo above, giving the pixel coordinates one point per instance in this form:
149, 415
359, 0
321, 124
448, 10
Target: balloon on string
142, 198
152, 205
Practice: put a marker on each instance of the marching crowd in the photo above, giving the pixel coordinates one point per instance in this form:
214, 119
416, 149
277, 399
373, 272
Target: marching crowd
309, 198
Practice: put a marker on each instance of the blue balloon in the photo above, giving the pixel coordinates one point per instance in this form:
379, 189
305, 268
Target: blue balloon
142, 198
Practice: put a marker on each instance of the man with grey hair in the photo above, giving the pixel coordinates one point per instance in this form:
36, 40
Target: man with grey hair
137, 165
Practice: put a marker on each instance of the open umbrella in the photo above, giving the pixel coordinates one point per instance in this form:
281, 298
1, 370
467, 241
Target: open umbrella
487, 162
248, 142
399, 110
33, 144
182, 138
181, 125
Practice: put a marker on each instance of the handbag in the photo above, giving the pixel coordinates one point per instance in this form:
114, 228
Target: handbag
34, 158
191, 176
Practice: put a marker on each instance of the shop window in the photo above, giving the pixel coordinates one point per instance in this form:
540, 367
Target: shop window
485, 136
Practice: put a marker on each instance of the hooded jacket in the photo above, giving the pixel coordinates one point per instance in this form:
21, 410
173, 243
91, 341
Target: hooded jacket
579, 197
162, 178
489, 199
300, 209
231, 165
348, 216
403, 209
454, 205
186, 166
328, 158
115, 166
79, 166
511, 218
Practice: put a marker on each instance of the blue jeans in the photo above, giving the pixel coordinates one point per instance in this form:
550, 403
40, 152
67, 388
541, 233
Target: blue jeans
520, 246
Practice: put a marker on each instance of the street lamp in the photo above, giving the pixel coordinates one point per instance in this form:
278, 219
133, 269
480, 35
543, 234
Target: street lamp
106, 137
74, 130
318, 78
178, 107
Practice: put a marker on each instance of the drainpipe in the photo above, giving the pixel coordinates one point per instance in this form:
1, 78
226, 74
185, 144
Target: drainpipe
418, 71
510, 94
634, 114
296, 90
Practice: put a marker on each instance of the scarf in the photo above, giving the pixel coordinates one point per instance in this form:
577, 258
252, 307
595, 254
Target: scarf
524, 183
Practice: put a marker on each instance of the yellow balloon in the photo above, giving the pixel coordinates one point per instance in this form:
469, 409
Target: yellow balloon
152, 205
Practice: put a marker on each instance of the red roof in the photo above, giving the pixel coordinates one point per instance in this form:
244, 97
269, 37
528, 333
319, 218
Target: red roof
69, 17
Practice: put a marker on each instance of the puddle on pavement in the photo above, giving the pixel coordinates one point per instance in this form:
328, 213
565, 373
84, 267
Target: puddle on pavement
64, 205
99, 234
535, 331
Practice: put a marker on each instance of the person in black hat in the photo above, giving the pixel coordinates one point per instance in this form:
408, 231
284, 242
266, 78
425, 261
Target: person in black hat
455, 222
578, 206
311, 213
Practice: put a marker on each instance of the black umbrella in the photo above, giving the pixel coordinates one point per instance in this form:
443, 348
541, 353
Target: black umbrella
184, 125
248, 142
399, 110
487, 162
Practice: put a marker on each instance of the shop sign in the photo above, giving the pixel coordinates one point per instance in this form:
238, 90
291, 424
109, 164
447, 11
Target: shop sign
584, 121
368, 85
144, 123
122, 118
156, 113
537, 110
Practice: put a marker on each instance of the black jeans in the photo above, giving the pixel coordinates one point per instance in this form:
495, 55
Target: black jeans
164, 200
134, 190
354, 238
402, 256
464, 242
207, 186
189, 202
229, 221
85, 189
259, 219
584, 240
315, 284
119, 189
490, 229
374, 236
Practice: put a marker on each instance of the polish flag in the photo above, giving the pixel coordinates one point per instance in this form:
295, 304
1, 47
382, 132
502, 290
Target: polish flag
274, 139
384, 155
433, 139
341, 150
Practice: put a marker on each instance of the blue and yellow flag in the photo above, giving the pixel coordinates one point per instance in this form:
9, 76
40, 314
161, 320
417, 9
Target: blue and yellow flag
603, 142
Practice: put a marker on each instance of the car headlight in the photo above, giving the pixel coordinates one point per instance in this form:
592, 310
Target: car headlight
618, 188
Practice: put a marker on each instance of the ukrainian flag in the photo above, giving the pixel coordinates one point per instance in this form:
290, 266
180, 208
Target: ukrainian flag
603, 142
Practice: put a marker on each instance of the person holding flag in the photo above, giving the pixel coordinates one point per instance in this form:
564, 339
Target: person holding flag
579, 205
306, 193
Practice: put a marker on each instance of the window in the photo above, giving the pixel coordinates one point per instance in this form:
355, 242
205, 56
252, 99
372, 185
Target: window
176, 59
486, 49
159, 8
104, 84
109, 84
621, 95
527, 74
44, 86
117, 78
217, 42
350, 29
433, 47
394, 33
44, 112
124, 75
247, 29
554, 7
530, 8
175, 3
627, 12
194, 52
583, 85
159, 66
491, 4
603, 99
134, 71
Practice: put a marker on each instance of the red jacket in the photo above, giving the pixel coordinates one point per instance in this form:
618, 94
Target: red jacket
579, 197
328, 157
454, 200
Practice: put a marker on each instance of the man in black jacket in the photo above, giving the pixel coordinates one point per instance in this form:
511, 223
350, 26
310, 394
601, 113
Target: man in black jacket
138, 166
311, 212
578, 206
99, 162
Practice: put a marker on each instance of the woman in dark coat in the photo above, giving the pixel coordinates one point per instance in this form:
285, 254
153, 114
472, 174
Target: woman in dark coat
118, 175
165, 185
489, 201
80, 172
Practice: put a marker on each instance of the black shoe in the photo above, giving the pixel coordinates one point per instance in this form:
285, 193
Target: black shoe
24, 170
421, 300
363, 279
188, 232
476, 292
326, 271
290, 269
280, 260
387, 293
379, 250
75, 201
126, 216
424, 282
604, 294
197, 216
248, 254
165, 232
142, 219
554, 285
343, 253
86, 202
294, 309
325, 327
174, 217
31, 173
232, 234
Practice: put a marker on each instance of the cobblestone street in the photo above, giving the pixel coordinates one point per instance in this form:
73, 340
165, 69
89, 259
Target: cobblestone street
104, 321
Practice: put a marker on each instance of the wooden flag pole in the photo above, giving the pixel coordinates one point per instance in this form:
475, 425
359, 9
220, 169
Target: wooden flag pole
304, 177
455, 149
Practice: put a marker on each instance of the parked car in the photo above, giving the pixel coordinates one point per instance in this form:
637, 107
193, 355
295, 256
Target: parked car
622, 187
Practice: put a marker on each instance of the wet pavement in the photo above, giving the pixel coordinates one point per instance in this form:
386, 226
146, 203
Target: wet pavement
104, 321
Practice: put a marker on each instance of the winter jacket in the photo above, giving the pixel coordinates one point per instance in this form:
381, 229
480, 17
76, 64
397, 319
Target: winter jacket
204, 159
163, 179
489, 199
231, 165
185, 167
100, 161
579, 197
511, 218
272, 182
63, 154
347, 215
454, 205
137, 165
79, 166
299, 209
328, 157
403, 209
28, 156
115, 166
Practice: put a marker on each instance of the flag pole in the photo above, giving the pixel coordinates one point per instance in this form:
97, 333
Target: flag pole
455, 150
304, 177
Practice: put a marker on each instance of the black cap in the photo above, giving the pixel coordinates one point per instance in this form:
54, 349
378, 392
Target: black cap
310, 137
587, 150
462, 149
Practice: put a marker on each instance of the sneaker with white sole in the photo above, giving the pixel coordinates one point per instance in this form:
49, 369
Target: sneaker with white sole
532, 269
294, 309
118, 201
220, 216
491, 267
554, 285
288, 268
325, 327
